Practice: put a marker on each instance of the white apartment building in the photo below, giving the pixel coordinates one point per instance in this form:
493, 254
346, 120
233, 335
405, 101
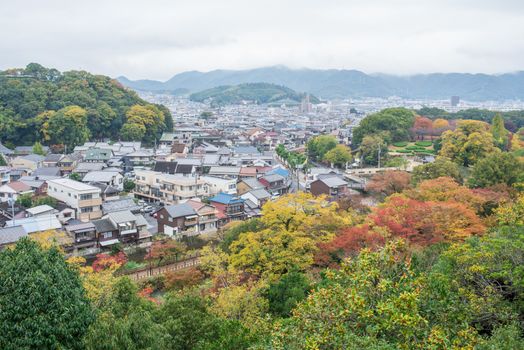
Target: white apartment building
170, 189
219, 184
84, 198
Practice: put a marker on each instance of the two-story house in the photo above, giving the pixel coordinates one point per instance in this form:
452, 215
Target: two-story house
229, 208
177, 220
331, 186
275, 184
84, 198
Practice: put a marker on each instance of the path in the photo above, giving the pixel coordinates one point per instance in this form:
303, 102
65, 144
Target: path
160, 270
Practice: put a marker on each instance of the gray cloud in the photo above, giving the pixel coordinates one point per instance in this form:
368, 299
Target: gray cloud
157, 38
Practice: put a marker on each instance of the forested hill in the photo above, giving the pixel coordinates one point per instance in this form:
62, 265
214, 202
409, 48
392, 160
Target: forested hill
69, 108
342, 83
256, 92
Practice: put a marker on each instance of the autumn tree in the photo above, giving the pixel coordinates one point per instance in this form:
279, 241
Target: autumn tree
468, 143
392, 124
165, 250
424, 223
499, 132
440, 125
42, 302
388, 182
348, 243
143, 123
338, 156
503, 168
439, 168
185, 278
422, 126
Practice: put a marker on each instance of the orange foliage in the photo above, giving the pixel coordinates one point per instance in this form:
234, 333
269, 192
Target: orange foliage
106, 261
446, 189
348, 243
183, 278
146, 294
389, 182
165, 250
423, 223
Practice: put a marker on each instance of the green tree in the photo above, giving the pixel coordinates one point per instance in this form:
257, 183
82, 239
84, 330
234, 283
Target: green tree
68, 126
339, 156
439, 168
370, 148
25, 200
126, 322
468, 143
75, 176
392, 123
318, 146
38, 149
132, 132
42, 302
284, 295
499, 168
499, 132
2, 160
129, 185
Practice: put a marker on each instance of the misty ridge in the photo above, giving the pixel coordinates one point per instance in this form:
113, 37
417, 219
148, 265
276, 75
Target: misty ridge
334, 83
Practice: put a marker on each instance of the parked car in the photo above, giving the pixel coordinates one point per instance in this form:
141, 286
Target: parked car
148, 209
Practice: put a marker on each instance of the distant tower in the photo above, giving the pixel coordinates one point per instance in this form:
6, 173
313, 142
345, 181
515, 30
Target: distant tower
455, 100
305, 105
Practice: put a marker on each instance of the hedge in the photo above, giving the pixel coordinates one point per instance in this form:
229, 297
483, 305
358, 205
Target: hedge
423, 143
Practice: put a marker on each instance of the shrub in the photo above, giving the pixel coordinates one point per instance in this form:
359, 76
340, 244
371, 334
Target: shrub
400, 144
424, 143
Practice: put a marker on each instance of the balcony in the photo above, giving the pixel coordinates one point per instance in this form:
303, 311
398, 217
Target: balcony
89, 202
128, 231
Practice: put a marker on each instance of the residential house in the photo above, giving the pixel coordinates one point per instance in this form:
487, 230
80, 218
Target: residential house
98, 155
177, 220
84, 198
126, 225
259, 197
52, 160
84, 236
231, 172
35, 224
207, 216
10, 235
276, 184
108, 178
13, 190
219, 184
229, 208
108, 193
83, 168
68, 162
30, 161
332, 186
247, 185
120, 204
4, 175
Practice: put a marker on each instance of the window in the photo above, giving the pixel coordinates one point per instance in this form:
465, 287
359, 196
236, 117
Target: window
86, 210
107, 234
84, 197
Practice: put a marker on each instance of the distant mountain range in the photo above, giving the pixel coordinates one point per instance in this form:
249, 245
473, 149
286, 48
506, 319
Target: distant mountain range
334, 83
261, 93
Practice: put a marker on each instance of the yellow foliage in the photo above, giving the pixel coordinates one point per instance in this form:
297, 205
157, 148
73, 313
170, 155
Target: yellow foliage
51, 238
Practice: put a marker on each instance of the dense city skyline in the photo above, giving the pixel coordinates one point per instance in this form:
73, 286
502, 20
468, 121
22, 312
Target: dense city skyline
156, 40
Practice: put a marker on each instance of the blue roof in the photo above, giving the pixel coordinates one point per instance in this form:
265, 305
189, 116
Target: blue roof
225, 198
279, 171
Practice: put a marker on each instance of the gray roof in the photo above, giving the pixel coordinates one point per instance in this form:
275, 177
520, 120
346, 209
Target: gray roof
33, 157
5, 150
253, 183
100, 176
179, 210
122, 216
260, 193
89, 166
140, 220
334, 181
47, 171
53, 157
119, 205
103, 225
273, 178
11, 234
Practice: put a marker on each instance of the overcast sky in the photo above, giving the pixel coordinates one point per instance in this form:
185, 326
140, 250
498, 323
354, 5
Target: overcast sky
155, 39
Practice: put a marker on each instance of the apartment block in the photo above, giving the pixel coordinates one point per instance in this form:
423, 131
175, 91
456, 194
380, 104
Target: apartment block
84, 198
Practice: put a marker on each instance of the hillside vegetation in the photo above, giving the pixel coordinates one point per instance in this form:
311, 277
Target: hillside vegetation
257, 92
42, 104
